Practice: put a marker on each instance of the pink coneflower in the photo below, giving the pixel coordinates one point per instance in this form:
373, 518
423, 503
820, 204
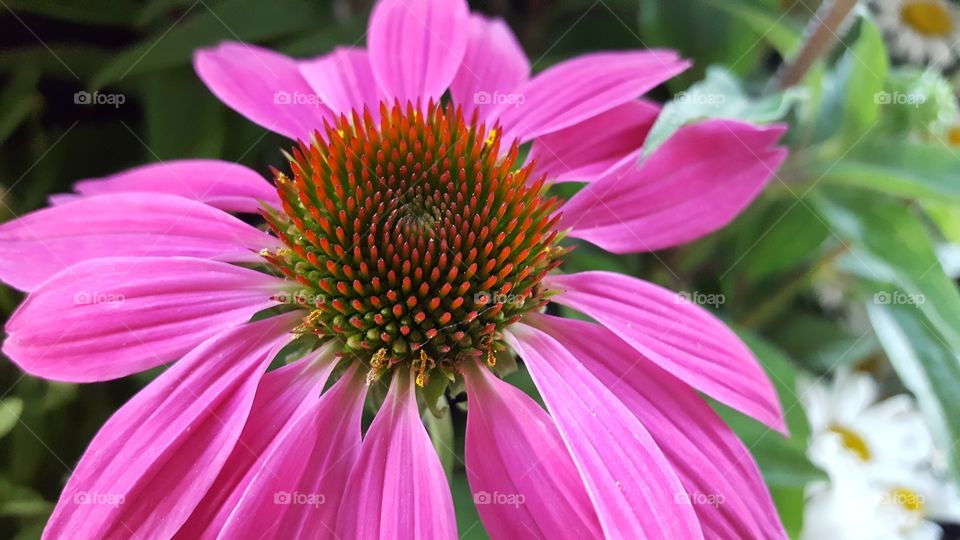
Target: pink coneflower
412, 247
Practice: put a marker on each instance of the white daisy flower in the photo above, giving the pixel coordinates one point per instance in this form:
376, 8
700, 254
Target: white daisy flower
920, 32
885, 479
884, 434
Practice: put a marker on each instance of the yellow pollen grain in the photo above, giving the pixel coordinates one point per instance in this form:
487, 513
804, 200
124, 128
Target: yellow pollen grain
491, 137
422, 377
852, 441
908, 499
928, 17
491, 358
377, 361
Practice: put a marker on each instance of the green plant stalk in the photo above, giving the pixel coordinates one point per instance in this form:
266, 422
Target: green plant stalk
776, 304
823, 32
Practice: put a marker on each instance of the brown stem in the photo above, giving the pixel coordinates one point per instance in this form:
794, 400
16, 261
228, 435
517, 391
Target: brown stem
822, 33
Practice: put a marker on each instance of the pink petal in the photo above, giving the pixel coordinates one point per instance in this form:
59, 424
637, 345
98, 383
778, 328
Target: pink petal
584, 151
221, 184
716, 469
521, 476
694, 184
296, 489
344, 81
397, 489
262, 85
152, 462
416, 46
677, 335
493, 65
633, 487
108, 318
581, 88
282, 397
40, 244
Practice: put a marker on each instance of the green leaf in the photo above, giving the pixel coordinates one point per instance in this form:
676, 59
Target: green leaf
890, 244
782, 462
897, 167
94, 12
176, 131
206, 24
784, 235
442, 436
790, 501
21, 501
18, 99
862, 71
702, 31
783, 33
469, 526
719, 95
927, 366
947, 217
10, 411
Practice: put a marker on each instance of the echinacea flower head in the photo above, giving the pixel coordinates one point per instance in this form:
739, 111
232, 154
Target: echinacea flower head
410, 241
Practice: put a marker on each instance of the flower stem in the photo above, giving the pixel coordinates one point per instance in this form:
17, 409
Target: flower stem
822, 32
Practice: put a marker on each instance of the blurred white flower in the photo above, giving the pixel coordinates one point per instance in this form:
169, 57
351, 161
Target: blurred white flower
920, 32
883, 476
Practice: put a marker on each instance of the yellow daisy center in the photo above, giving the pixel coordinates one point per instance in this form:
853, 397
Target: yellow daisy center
909, 499
852, 442
953, 136
929, 18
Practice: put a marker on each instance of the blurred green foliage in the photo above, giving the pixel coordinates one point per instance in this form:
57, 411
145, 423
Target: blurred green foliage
855, 214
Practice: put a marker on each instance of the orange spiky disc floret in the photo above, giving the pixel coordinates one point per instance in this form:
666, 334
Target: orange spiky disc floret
413, 239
